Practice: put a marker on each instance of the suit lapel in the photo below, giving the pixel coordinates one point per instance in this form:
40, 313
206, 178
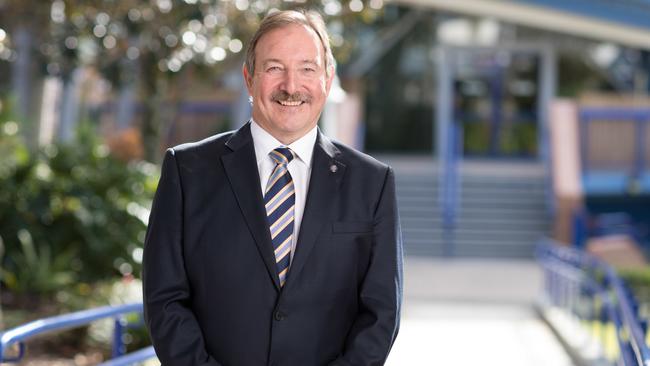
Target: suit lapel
241, 169
326, 175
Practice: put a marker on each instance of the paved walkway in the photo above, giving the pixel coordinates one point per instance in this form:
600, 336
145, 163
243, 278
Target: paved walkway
473, 312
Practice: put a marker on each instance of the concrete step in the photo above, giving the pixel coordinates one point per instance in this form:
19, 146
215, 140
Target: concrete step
498, 198
475, 213
472, 249
488, 222
505, 212
503, 203
477, 235
501, 211
502, 250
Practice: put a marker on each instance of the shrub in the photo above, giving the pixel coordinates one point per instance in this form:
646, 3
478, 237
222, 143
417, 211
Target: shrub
69, 213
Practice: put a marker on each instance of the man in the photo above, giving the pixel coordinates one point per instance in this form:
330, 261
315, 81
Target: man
272, 245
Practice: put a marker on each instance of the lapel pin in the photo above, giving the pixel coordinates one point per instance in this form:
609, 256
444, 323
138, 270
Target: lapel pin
333, 168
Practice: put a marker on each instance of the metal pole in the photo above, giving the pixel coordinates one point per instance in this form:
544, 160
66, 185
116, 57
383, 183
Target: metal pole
119, 348
443, 120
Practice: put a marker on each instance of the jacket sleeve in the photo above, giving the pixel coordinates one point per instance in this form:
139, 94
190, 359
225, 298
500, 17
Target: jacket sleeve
380, 296
174, 330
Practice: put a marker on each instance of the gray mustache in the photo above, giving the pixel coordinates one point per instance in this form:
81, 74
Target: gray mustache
283, 96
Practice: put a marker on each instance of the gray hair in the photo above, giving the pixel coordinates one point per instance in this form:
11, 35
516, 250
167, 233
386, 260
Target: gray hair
278, 19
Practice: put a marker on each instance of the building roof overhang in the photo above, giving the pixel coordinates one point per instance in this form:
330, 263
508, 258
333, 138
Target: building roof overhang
624, 22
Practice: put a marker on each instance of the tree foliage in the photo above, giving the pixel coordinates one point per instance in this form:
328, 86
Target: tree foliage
147, 43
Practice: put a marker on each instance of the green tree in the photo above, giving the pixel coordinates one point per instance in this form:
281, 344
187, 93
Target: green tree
145, 45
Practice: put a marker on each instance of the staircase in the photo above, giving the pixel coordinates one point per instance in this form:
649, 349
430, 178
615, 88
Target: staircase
502, 211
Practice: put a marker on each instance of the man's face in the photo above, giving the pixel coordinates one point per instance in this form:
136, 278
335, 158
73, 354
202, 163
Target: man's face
290, 86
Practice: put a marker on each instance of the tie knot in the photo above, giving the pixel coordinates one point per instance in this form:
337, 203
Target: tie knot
282, 155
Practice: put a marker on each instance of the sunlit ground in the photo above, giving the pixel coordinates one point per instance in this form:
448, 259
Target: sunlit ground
473, 312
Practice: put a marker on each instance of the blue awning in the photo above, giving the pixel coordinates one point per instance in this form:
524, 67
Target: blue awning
627, 12
623, 22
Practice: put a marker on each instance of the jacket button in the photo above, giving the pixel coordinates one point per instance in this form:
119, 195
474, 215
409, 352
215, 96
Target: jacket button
279, 316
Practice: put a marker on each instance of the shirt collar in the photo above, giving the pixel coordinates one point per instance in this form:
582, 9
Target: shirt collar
264, 143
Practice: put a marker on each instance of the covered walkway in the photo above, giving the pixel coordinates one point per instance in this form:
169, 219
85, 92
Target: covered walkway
473, 312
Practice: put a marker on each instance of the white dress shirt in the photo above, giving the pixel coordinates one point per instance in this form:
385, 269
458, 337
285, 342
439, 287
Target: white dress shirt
299, 167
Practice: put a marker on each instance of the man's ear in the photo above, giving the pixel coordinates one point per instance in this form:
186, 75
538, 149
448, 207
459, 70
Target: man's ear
248, 79
328, 82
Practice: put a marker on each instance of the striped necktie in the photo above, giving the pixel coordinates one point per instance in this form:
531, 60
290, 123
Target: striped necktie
279, 201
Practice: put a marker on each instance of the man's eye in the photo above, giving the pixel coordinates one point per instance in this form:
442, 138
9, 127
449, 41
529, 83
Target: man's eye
274, 69
309, 69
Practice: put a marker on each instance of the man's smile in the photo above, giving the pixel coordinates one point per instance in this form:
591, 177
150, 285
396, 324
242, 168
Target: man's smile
287, 103
290, 100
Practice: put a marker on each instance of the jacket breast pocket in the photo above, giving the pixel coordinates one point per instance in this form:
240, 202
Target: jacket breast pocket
352, 227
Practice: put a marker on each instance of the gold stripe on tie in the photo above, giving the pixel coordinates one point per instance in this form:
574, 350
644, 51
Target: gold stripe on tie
281, 221
280, 256
281, 200
278, 230
286, 244
280, 175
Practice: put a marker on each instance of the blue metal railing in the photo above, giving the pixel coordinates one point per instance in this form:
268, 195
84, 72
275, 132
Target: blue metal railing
584, 286
17, 336
619, 179
449, 192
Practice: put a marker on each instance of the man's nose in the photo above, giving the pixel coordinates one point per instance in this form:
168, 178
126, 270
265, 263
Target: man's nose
290, 82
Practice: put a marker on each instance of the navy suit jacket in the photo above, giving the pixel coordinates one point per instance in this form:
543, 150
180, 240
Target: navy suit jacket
211, 289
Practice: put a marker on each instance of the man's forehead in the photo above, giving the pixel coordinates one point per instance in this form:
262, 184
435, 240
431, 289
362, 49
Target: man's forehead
275, 43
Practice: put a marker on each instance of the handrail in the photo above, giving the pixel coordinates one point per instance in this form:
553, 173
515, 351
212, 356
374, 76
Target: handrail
640, 348
557, 259
26, 331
